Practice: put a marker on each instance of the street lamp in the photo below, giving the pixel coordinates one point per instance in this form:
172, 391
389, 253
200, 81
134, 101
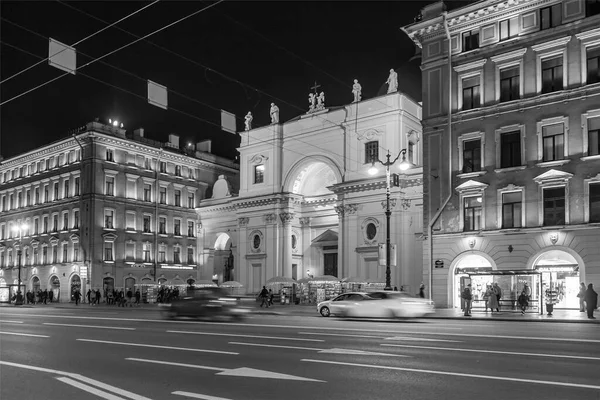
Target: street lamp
404, 165
19, 229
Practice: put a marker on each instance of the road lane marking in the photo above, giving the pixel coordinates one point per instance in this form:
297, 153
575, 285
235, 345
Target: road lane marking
198, 396
275, 346
340, 334
79, 377
158, 347
23, 334
416, 339
89, 389
243, 371
10, 322
433, 327
246, 336
90, 326
514, 353
426, 371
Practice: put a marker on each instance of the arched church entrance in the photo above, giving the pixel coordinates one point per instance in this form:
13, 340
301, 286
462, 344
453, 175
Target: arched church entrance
465, 267
559, 277
223, 264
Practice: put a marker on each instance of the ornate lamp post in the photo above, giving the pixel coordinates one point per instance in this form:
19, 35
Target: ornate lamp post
404, 165
19, 229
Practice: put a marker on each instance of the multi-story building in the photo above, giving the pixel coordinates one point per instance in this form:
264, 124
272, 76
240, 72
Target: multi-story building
100, 210
511, 122
307, 206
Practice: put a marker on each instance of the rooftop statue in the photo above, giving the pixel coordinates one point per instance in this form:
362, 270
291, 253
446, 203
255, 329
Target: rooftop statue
321, 101
392, 81
248, 121
357, 91
312, 100
274, 112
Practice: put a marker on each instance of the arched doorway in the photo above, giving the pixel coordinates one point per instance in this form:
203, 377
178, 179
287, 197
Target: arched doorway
75, 285
35, 284
560, 278
222, 255
464, 264
129, 284
108, 283
55, 288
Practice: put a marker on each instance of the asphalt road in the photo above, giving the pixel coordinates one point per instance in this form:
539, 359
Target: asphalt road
134, 354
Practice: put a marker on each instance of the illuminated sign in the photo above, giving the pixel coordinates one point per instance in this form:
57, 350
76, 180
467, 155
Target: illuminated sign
556, 269
165, 266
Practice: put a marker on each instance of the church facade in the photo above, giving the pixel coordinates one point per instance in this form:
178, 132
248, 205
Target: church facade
307, 206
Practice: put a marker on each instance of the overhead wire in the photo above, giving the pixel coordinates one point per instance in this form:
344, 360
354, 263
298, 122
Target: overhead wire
80, 41
114, 51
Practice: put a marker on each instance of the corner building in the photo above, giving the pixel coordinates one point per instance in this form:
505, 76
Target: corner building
104, 211
511, 120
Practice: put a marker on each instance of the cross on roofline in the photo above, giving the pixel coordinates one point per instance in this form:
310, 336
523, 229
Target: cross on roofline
315, 87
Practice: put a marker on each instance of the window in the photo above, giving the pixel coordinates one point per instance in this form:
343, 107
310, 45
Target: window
54, 254
55, 191
163, 195
146, 252
19, 200
508, 29
178, 170
65, 222
593, 136
552, 75
259, 173
109, 155
55, 223
130, 251
371, 152
4, 203
77, 186
108, 219
147, 192
65, 253
147, 224
471, 156
511, 210
177, 227
37, 195
162, 225
190, 255
178, 198
472, 213
553, 141
76, 252
177, 255
36, 226
411, 153
510, 149
509, 84
191, 200
66, 190
2, 232
1, 259
593, 65
46, 195
190, 229
554, 206
110, 186
44, 255
595, 202
28, 198
162, 253
108, 251
76, 219
470, 93
163, 167
45, 225
147, 164
471, 40
11, 202
550, 16
130, 221
592, 7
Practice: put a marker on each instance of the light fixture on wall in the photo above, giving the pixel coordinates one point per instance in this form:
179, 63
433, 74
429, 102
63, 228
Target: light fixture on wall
510, 248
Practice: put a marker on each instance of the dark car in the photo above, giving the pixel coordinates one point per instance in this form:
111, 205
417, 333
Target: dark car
211, 303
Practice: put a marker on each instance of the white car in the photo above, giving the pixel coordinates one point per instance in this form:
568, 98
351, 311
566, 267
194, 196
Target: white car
384, 304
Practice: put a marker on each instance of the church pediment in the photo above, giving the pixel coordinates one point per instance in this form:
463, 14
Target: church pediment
471, 186
327, 238
552, 176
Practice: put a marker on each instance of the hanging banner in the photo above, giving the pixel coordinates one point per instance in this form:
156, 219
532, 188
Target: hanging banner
228, 123
62, 56
157, 95
382, 254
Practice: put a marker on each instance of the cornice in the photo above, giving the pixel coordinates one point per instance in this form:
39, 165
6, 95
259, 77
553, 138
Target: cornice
39, 153
511, 55
560, 42
478, 64
372, 184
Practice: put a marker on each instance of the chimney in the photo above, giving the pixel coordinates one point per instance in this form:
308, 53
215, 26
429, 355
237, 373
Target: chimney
174, 141
204, 146
138, 133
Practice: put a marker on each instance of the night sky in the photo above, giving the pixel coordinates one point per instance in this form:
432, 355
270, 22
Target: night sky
238, 55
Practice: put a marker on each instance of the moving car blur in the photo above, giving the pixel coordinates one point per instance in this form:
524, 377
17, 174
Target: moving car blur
211, 303
381, 304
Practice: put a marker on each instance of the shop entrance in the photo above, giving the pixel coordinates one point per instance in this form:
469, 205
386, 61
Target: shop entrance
470, 263
55, 287
560, 279
35, 285
75, 285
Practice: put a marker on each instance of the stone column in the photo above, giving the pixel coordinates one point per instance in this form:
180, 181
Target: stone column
240, 264
351, 240
273, 261
307, 251
286, 241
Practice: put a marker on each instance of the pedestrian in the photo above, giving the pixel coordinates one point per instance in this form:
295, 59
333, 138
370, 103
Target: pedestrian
264, 293
98, 296
523, 299
591, 301
581, 296
493, 299
468, 297
51, 295
271, 296
422, 290
498, 292
486, 297
129, 296
138, 296
45, 296
77, 296
92, 298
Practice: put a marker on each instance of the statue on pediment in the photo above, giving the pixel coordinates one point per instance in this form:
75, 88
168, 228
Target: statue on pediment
392, 81
321, 101
274, 112
248, 121
357, 91
312, 101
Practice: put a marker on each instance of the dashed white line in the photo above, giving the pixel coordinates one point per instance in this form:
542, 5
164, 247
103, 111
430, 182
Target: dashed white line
276, 346
426, 371
10, 322
198, 396
23, 334
89, 389
175, 364
158, 346
340, 334
90, 326
246, 336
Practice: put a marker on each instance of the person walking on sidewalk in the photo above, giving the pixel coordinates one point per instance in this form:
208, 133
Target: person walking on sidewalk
98, 296
264, 293
271, 295
89, 296
138, 296
468, 297
129, 296
498, 293
591, 301
77, 297
581, 296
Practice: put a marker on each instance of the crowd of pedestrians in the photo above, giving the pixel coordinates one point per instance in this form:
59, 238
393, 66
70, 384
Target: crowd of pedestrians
41, 297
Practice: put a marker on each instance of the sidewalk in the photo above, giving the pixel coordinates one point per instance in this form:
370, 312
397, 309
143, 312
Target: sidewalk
573, 316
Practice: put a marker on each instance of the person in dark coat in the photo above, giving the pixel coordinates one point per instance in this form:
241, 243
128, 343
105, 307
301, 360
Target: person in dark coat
591, 301
77, 296
264, 295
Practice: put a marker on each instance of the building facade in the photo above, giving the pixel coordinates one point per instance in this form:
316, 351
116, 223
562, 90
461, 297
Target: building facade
511, 119
307, 206
101, 210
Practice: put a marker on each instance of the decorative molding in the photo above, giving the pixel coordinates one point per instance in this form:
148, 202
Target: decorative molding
511, 55
243, 221
553, 176
392, 204
339, 210
270, 218
286, 217
474, 65
405, 203
561, 42
258, 159
350, 209
369, 134
304, 221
